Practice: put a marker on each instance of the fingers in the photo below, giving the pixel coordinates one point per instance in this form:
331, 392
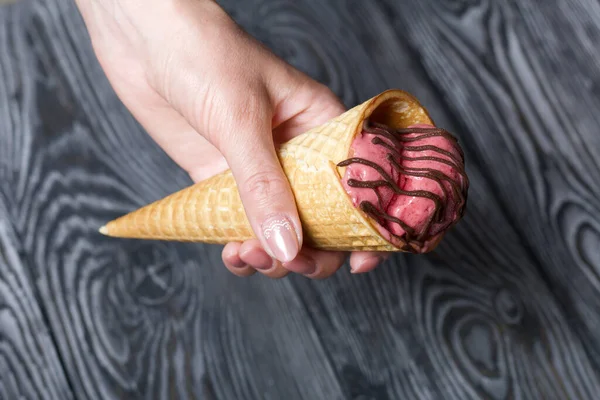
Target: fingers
233, 262
265, 192
365, 261
191, 151
316, 264
252, 253
244, 259
310, 105
303, 264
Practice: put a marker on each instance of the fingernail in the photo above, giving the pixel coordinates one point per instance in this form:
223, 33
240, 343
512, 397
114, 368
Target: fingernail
239, 264
302, 265
281, 238
267, 265
262, 261
366, 265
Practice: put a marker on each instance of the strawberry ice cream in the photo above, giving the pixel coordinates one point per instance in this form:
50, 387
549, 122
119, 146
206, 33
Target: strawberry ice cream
411, 181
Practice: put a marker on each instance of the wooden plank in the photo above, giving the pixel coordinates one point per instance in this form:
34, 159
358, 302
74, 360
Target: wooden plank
30, 365
530, 133
29, 362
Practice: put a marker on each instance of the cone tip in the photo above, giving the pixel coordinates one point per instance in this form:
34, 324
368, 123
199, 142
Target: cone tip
103, 230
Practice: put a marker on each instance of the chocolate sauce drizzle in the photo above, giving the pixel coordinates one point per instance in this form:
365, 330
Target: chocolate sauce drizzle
397, 139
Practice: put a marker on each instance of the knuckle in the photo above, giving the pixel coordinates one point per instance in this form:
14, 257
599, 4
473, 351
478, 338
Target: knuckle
250, 108
324, 91
265, 186
252, 105
161, 70
233, 114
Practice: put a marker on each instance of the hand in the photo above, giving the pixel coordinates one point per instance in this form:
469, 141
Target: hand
214, 98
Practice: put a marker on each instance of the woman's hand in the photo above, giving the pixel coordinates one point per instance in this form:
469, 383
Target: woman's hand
214, 98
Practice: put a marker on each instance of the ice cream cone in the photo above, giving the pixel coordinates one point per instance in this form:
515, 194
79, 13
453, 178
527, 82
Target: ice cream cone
211, 211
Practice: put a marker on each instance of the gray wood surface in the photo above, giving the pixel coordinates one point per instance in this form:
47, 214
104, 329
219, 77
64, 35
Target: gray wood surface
508, 307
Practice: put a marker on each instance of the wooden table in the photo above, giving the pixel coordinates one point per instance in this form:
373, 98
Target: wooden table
508, 307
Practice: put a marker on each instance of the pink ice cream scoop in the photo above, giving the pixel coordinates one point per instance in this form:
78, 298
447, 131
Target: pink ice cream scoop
411, 181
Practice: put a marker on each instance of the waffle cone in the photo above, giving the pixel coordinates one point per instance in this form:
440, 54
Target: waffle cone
211, 211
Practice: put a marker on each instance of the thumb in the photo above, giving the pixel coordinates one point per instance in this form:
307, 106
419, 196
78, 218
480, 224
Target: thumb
264, 189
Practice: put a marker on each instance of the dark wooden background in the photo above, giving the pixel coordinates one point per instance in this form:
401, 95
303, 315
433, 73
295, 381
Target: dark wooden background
508, 307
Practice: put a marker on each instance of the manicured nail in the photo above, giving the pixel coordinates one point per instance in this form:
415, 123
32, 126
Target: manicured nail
260, 260
281, 238
266, 265
239, 264
366, 265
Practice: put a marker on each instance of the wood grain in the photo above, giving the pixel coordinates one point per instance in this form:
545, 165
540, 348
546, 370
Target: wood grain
30, 364
31, 367
506, 308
